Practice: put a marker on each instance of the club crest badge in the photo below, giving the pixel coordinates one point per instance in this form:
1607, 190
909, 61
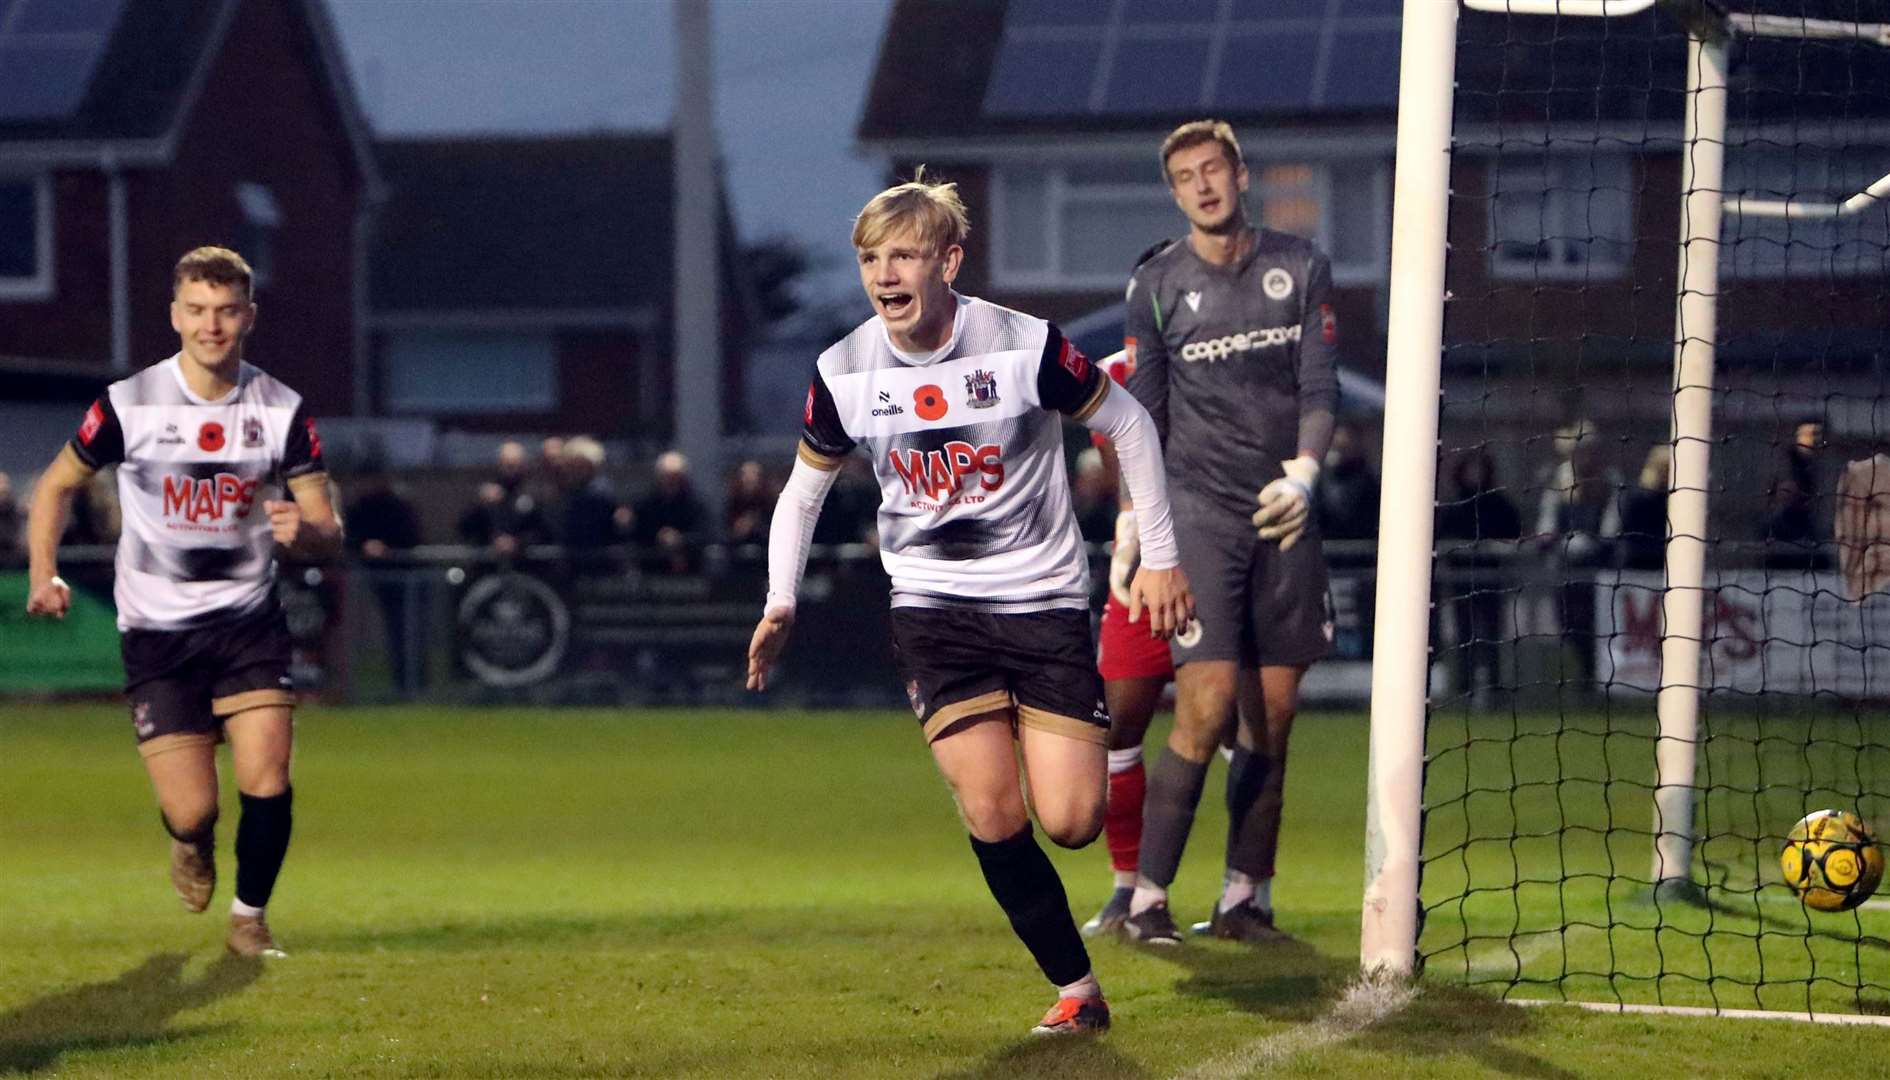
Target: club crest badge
981, 389
252, 432
1277, 284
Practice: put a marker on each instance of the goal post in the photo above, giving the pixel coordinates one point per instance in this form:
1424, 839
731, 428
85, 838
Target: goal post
1696, 333
1413, 371
1631, 777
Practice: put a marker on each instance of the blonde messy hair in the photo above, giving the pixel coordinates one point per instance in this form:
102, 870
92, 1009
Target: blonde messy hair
932, 210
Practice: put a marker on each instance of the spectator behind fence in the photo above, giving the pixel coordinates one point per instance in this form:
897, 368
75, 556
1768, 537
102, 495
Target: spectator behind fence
545, 481
12, 520
1642, 543
1348, 488
506, 515
587, 515
93, 515
1792, 530
1486, 523
1577, 519
750, 504
669, 522
381, 523
1093, 491
1863, 526
851, 513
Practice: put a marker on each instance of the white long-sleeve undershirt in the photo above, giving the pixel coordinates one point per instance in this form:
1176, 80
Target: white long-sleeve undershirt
1128, 425
792, 530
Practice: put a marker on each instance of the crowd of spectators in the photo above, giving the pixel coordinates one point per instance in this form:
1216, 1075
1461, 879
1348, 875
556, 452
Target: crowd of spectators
1584, 513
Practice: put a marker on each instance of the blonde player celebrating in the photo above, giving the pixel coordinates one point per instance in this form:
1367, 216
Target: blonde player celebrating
956, 400
201, 440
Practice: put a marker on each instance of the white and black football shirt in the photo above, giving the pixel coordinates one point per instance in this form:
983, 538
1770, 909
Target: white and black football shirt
967, 445
192, 475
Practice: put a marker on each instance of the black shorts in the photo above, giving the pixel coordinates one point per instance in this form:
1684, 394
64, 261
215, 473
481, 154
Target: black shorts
1256, 605
182, 683
957, 663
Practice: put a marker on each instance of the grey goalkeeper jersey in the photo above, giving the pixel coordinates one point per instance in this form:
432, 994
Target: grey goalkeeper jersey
1231, 361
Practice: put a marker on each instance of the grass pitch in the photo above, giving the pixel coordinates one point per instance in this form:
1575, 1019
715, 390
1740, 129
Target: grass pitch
692, 894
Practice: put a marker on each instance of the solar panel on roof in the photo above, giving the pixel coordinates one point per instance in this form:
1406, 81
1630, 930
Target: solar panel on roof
48, 49
1386, 8
1170, 12
1363, 70
1267, 72
43, 83
1041, 78
1156, 55
1274, 10
1159, 75
1057, 13
65, 16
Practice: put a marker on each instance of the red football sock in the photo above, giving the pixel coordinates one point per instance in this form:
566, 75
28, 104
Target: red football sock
1122, 817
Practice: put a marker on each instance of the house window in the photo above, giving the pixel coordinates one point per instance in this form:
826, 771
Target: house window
1080, 226
26, 238
449, 371
256, 236
1560, 216
1761, 247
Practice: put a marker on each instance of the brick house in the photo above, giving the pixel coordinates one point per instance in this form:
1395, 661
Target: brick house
522, 284
134, 130
1566, 186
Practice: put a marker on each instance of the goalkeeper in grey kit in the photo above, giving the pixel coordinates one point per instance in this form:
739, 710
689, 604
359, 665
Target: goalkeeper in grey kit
1231, 342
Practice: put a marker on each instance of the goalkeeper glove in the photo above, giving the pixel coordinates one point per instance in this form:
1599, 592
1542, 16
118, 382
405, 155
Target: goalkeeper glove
1123, 557
1286, 503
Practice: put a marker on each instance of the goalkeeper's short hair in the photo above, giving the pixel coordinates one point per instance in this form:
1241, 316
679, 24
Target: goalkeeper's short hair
1196, 132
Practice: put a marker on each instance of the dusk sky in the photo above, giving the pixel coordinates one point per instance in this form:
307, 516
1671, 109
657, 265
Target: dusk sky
790, 79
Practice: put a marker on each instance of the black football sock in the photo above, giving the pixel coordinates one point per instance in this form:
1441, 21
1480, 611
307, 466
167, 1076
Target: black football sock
1256, 790
1027, 888
1174, 790
262, 839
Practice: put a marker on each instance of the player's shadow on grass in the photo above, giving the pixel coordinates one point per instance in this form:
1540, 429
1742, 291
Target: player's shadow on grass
1775, 923
1295, 984
1452, 1021
131, 1010
1053, 1059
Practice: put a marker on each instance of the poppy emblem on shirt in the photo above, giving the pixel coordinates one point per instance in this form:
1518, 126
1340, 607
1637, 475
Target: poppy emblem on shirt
210, 437
1328, 324
314, 438
807, 413
929, 402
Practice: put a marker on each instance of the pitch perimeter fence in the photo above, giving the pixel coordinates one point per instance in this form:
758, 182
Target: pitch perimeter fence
454, 624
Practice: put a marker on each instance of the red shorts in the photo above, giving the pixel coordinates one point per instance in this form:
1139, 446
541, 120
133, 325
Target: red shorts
1126, 651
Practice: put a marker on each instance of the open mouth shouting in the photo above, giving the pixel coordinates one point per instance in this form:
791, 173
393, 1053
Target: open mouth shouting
895, 305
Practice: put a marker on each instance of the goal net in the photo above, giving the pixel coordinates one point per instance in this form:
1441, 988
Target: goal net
1658, 620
